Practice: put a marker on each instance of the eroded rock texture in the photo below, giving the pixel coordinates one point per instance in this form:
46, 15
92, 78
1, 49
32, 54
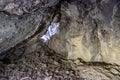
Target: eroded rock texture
89, 29
45, 64
20, 19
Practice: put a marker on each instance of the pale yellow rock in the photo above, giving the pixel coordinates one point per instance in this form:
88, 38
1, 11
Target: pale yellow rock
110, 51
78, 51
114, 71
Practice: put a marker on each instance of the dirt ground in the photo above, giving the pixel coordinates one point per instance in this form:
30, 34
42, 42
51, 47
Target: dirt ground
45, 64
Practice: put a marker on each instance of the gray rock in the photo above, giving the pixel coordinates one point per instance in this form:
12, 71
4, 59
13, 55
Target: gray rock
20, 19
89, 29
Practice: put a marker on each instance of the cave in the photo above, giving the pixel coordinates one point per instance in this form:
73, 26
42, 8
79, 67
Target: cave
59, 40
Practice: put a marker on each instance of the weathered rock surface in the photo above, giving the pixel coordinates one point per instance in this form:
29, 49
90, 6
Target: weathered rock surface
44, 64
89, 29
20, 19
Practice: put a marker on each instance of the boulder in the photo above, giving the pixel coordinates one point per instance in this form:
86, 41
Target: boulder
20, 19
89, 29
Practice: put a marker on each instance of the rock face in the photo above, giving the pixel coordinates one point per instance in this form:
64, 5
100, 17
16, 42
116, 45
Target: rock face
20, 19
44, 65
89, 29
